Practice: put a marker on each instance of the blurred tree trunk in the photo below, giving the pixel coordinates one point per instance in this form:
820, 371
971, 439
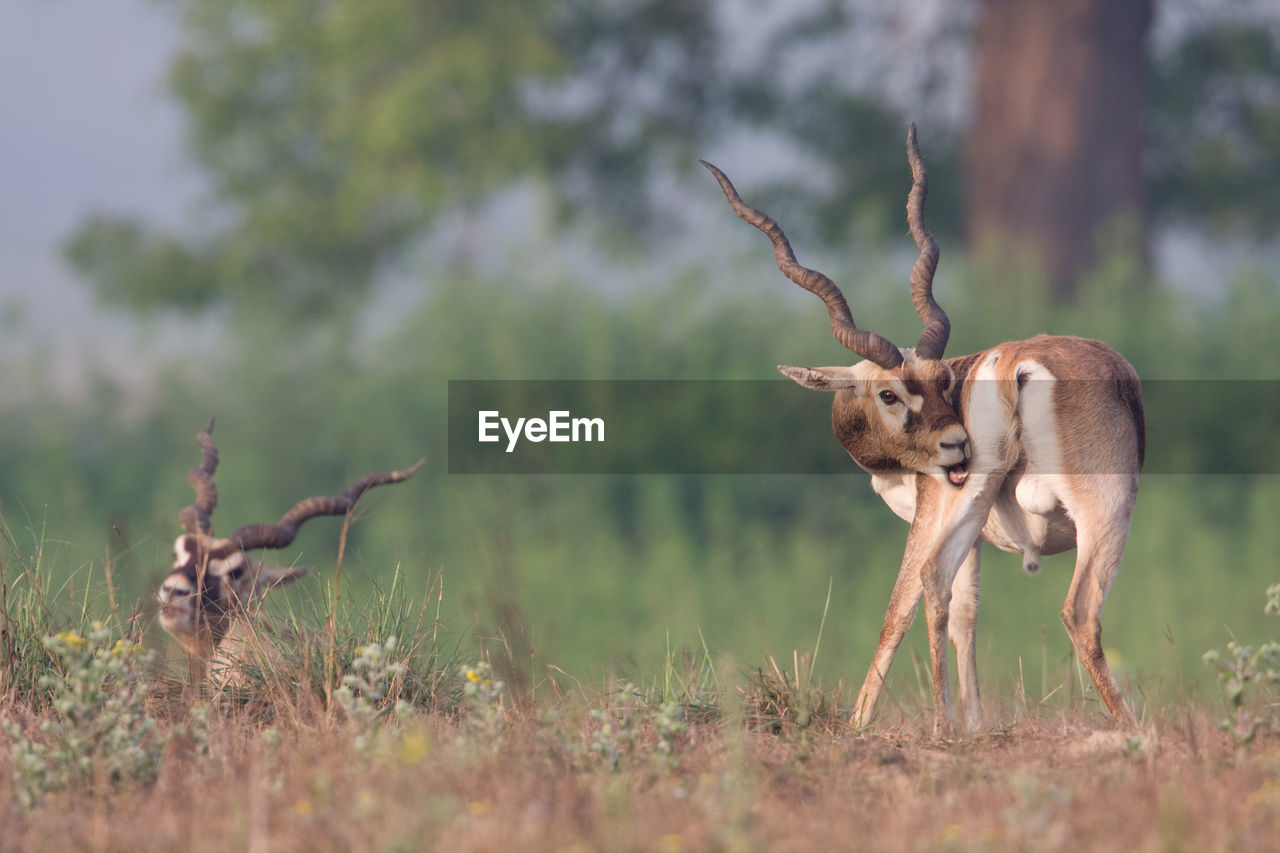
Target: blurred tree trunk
1054, 152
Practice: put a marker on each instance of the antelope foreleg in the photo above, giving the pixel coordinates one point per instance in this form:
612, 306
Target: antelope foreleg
897, 619
946, 528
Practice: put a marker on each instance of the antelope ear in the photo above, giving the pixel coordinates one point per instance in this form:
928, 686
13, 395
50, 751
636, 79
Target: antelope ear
273, 576
821, 378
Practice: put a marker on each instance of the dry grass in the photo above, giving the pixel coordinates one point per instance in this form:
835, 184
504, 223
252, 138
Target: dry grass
1064, 782
700, 759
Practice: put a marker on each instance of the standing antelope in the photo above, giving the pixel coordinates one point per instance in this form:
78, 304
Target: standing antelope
214, 583
1034, 446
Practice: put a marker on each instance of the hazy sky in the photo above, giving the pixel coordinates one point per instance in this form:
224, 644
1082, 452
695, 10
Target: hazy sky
85, 124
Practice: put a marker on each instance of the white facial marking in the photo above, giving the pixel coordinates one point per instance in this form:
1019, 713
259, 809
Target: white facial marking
172, 589
915, 402
181, 555
893, 402
226, 567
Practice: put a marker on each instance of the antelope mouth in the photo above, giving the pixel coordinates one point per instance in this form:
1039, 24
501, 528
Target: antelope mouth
957, 474
173, 604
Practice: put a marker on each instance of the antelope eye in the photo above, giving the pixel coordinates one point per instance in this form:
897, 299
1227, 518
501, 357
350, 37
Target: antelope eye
235, 573
888, 398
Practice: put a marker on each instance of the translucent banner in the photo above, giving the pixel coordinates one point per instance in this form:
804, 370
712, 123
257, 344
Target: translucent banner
776, 427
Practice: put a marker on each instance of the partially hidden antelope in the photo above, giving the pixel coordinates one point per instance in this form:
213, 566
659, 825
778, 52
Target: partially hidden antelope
1034, 446
215, 587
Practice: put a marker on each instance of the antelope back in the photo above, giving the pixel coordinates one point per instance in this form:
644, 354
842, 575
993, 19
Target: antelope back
1067, 405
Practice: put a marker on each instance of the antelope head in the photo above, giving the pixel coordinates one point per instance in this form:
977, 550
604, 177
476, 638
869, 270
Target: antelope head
897, 409
214, 580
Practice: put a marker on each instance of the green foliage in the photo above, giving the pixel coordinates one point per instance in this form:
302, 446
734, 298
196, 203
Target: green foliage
291, 665
636, 728
670, 723
858, 142
364, 691
584, 572
333, 135
99, 732
134, 266
614, 742
335, 132
790, 704
1249, 677
39, 598
1216, 128
484, 705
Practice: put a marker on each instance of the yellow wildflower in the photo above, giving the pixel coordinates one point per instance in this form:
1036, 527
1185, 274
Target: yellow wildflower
414, 749
72, 639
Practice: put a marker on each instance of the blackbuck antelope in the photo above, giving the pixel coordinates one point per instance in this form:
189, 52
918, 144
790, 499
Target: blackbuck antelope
1034, 446
214, 584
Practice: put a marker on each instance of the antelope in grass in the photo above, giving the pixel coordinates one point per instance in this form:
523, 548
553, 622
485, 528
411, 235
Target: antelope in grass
215, 585
1034, 446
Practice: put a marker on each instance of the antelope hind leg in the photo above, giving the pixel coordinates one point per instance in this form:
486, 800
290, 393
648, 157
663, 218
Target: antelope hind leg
963, 630
1097, 563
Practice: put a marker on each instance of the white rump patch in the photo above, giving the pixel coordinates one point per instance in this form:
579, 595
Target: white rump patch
1040, 437
988, 420
1039, 490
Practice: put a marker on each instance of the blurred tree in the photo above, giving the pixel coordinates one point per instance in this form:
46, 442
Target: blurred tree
1215, 129
1055, 150
1079, 129
335, 134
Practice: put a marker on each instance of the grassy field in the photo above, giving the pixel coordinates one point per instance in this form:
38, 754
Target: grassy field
607, 662
584, 772
344, 739
599, 574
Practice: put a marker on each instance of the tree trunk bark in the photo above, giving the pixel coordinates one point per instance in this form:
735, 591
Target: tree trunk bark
1055, 149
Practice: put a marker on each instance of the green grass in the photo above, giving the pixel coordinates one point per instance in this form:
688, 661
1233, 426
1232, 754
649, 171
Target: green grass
719, 626
421, 742
592, 573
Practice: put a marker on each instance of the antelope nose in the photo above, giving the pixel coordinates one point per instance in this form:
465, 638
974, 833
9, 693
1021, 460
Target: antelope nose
955, 440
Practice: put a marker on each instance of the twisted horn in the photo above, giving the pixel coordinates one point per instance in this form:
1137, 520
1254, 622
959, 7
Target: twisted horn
937, 327
197, 518
867, 344
280, 535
